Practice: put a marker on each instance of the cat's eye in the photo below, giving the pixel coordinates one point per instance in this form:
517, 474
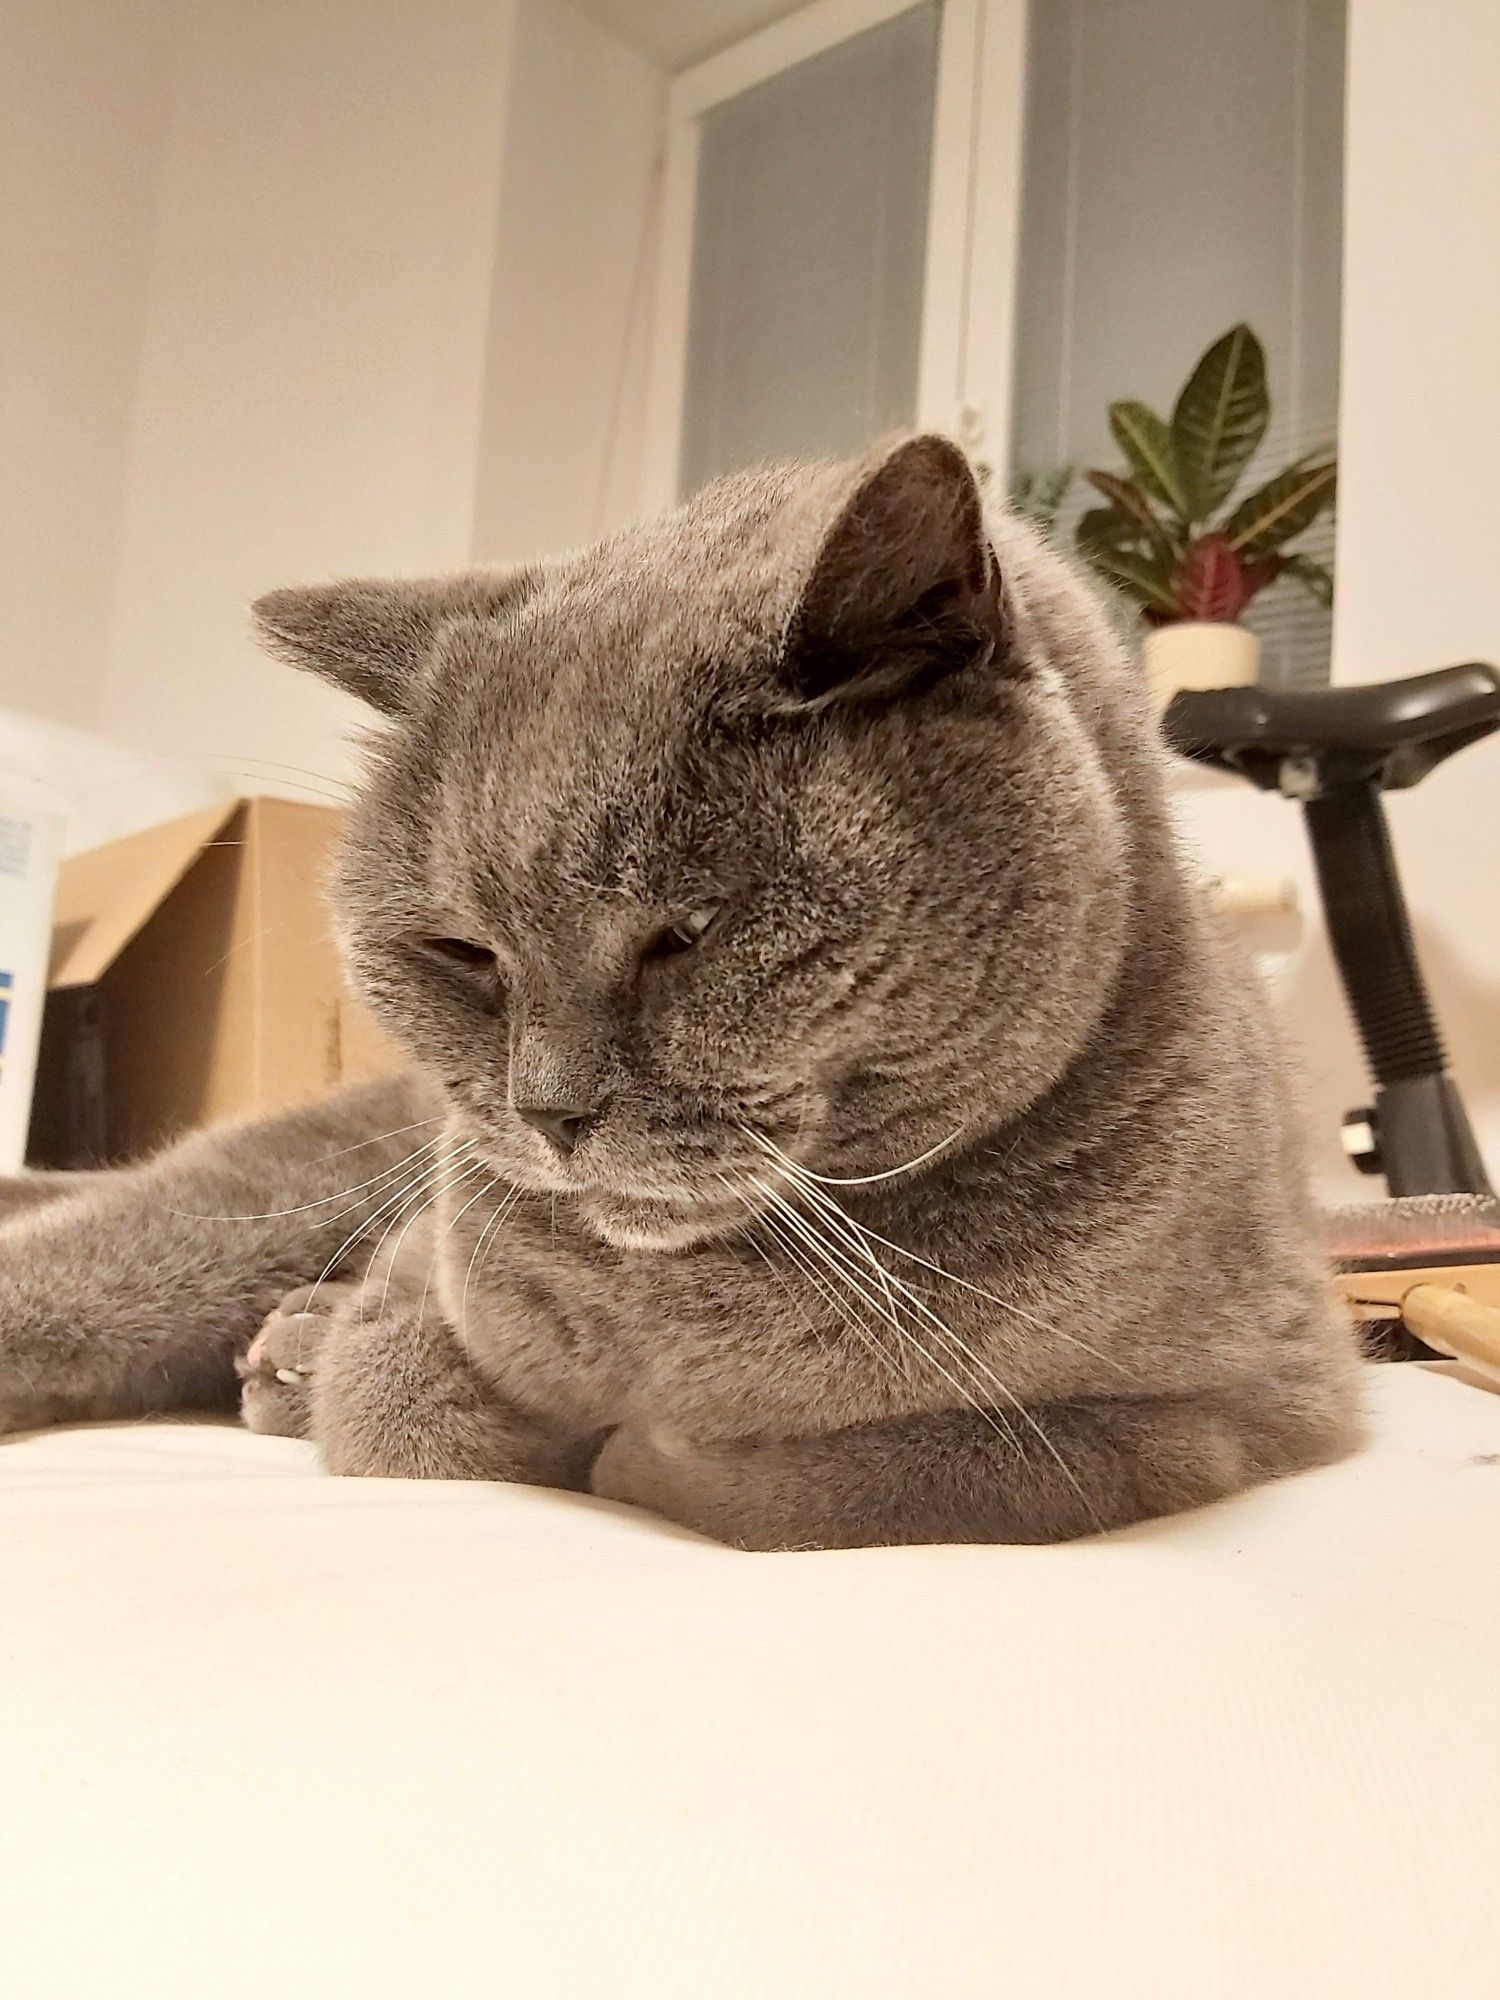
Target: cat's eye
458, 951
684, 932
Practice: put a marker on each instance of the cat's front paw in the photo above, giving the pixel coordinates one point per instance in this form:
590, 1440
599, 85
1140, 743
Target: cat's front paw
24, 1413
24, 1194
277, 1369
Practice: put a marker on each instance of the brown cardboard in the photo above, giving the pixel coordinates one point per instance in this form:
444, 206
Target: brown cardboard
192, 979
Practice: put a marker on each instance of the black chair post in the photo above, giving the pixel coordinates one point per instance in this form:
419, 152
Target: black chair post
1335, 750
1425, 1144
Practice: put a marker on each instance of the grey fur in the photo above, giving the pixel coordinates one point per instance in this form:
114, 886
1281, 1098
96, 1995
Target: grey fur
925, 794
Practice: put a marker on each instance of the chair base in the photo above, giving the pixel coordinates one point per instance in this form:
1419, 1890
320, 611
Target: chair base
1425, 1141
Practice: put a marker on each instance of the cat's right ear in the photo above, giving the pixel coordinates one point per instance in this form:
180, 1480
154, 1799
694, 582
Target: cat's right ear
375, 639
902, 589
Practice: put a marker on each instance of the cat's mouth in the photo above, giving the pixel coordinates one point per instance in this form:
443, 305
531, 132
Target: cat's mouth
655, 1222
635, 1218
629, 1213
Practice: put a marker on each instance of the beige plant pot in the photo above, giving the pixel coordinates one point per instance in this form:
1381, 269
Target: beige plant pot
1198, 655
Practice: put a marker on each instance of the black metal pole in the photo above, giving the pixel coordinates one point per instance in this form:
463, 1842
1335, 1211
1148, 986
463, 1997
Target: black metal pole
1426, 1143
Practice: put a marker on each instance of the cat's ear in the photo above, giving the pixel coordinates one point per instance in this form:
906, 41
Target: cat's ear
374, 639
903, 588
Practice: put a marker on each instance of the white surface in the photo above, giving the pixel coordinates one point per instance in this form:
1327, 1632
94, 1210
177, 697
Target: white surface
267, 1733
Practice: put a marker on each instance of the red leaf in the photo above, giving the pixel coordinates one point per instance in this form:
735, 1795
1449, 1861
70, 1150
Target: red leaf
1212, 583
1259, 574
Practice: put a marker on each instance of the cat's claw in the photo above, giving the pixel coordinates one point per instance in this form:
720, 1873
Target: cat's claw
276, 1372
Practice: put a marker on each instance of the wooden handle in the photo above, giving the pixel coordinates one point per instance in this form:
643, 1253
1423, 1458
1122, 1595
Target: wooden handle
1455, 1324
1254, 895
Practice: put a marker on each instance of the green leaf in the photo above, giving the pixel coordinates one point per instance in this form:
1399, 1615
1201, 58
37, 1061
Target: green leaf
1103, 524
1282, 508
1315, 576
1130, 501
1220, 418
1147, 444
1139, 576
1105, 521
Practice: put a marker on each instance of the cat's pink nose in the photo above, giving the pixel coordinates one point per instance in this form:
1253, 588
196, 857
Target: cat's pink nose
563, 1125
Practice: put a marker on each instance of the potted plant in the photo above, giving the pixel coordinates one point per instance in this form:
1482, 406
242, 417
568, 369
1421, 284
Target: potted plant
1175, 541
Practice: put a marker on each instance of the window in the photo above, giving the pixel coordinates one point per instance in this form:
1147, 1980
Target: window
841, 198
995, 218
804, 314
1183, 171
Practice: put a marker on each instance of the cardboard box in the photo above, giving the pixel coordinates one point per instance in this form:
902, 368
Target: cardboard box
193, 978
28, 867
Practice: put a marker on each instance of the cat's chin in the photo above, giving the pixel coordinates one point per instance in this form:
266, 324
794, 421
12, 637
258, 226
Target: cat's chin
635, 1223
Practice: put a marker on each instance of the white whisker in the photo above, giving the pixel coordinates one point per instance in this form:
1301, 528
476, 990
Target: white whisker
843, 1267
866, 1335
859, 1180
417, 1125
868, 1338
800, 1176
452, 1223
961, 1352
488, 1230
474, 1166
980, 1375
301, 1208
758, 1217
424, 1196
398, 1199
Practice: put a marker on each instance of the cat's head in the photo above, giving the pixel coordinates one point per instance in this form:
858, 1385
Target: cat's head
770, 822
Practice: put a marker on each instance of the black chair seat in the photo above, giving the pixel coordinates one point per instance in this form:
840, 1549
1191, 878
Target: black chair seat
1393, 732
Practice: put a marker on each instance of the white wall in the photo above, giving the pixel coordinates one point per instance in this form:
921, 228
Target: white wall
1419, 437
83, 107
1418, 527
564, 381
305, 290
313, 354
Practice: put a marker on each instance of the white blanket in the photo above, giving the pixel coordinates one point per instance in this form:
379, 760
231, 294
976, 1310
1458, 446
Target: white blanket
263, 1732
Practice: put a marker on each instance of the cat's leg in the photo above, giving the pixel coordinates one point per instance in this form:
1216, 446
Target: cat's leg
23, 1194
392, 1394
1056, 1472
134, 1294
276, 1370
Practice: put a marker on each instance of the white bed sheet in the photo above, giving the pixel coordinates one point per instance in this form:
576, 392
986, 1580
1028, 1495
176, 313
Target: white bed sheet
263, 1732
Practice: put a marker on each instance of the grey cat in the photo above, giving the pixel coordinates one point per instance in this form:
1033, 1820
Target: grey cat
839, 1119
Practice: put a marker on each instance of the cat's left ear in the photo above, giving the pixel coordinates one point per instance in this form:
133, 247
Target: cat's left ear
904, 588
375, 639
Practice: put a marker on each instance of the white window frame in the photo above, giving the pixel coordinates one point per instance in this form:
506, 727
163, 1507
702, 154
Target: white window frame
965, 361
